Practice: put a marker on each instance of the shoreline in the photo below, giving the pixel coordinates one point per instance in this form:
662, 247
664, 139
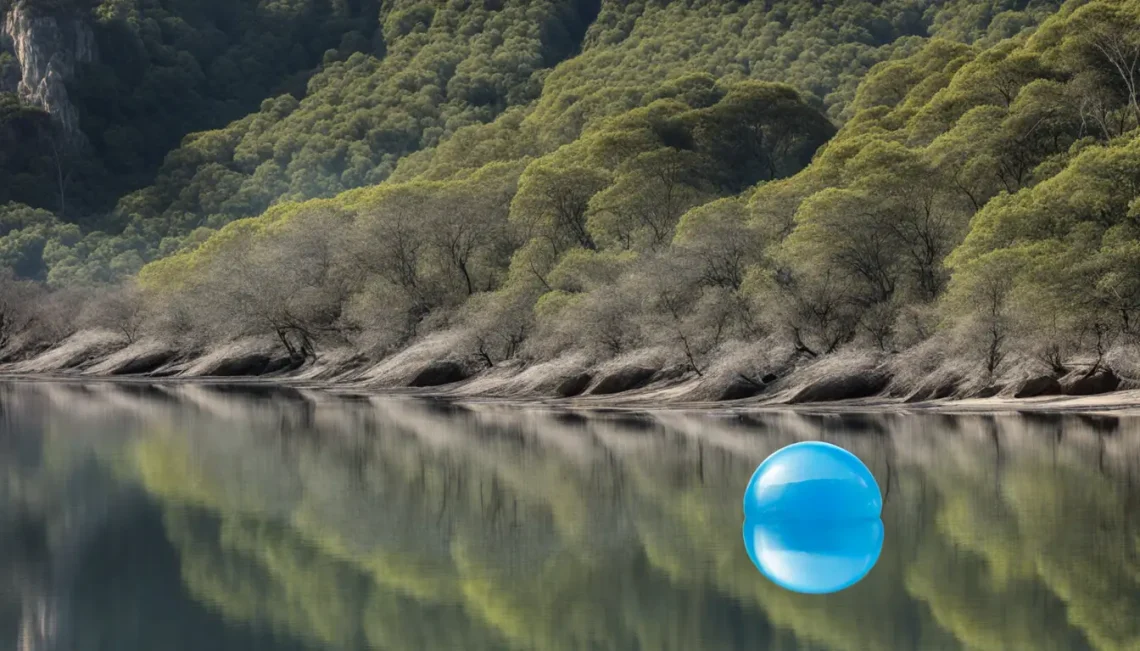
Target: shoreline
1118, 403
851, 382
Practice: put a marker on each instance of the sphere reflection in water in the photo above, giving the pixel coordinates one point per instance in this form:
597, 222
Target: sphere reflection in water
812, 518
814, 557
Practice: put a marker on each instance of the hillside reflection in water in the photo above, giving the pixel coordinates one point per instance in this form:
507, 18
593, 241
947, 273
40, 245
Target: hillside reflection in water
137, 517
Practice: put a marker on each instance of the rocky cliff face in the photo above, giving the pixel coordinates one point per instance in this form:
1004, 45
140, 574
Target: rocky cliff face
47, 49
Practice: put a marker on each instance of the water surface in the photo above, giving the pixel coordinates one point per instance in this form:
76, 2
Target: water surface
179, 517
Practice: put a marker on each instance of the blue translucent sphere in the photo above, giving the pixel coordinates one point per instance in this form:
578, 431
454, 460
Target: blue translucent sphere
812, 481
812, 518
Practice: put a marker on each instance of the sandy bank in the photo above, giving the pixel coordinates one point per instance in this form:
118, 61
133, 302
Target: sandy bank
642, 380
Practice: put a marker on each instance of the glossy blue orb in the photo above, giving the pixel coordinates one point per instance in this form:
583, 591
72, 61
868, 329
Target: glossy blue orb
814, 557
812, 481
812, 518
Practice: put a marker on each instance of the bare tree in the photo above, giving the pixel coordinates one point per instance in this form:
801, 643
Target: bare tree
467, 228
121, 309
17, 306
988, 300
497, 323
814, 306
285, 283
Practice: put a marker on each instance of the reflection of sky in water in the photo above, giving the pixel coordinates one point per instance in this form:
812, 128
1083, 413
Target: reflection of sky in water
194, 517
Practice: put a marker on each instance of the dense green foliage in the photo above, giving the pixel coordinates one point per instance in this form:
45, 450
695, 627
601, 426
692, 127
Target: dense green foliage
1018, 153
620, 243
170, 67
389, 261
27, 168
392, 80
660, 188
165, 68
353, 87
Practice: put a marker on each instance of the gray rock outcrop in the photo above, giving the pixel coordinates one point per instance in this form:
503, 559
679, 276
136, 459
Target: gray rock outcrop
48, 49
844, 386
1044, 385
1081, 384
624, 379
439, 373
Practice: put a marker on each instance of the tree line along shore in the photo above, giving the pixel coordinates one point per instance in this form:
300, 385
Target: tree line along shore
914, 204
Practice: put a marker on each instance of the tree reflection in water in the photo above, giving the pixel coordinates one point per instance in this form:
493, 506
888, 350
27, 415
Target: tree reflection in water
185, 517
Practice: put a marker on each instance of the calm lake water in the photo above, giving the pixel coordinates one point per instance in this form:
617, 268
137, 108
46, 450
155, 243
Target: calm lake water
138, 517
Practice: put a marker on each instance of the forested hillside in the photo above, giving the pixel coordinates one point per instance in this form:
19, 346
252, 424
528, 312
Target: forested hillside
341, 91
948, 184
